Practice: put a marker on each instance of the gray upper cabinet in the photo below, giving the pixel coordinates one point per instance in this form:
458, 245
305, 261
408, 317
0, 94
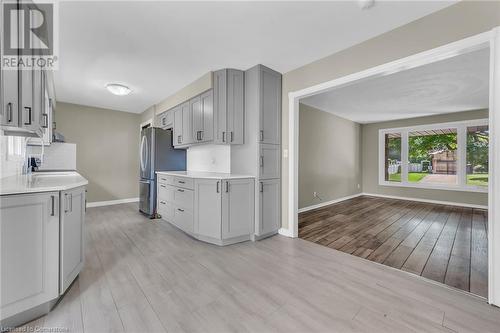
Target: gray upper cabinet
166, 119
203, 117
270, 206
23, 96
72, 236
187, 123
270, 108
229, 106
9, 96
177, 125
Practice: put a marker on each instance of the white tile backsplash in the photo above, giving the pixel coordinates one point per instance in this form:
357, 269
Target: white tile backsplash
11, 155
210, 158
57, 156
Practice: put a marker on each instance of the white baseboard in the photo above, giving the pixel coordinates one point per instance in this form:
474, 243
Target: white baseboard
111, 202
439, 202
326, 203
285, 232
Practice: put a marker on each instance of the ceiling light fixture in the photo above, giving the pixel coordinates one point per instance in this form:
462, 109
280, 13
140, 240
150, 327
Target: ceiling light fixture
366, 4
118, 89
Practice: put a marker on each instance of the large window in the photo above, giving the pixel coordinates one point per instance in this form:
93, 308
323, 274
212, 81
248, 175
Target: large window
446, 156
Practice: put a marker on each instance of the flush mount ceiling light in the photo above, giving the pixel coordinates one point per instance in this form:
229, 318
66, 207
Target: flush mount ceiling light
118, 89
366, 4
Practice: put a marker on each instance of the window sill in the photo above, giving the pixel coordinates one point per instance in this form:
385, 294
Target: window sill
466, 188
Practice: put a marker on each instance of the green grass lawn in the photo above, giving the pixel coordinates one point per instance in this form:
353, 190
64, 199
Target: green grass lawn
413, 177
479, 179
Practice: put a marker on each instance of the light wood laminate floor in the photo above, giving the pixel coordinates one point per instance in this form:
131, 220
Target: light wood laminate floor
145, 276
443, 243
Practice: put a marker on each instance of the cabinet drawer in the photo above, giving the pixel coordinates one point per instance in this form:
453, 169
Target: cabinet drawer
183, 198
184, 219
184, 182
166, 210
163, 179
166, 192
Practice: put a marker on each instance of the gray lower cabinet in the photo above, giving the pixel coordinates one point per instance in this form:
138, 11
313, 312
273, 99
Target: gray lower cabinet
218, 211
208, 213
237, 208
224, 210
269, 207
72, 212
29, 265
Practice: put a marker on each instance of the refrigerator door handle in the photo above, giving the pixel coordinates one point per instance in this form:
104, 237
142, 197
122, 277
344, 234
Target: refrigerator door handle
144, 144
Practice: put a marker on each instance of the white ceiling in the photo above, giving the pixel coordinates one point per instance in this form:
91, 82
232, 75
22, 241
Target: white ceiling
156, 48
457, 84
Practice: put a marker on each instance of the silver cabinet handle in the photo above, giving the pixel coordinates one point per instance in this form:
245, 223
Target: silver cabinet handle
162, 186
163, 202
52, 204
180, 210
66, 209
261, 186
27, 108
223, 136
180, 190
261, 135
231, 136
217, 188
9, 112
163, 179
45, 120
261, 158
181, 182
71, 203
227, 186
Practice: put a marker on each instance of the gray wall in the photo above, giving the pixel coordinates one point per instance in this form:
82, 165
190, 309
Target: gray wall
369, 148
464, 19
329, 156
107, 151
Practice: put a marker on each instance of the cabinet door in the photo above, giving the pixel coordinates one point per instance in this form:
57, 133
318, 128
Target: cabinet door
72, 235
178, 126
197, 114
207, 207
269, 220
269, 161
27, 112
237, 207
220, 105
187, 124
207, 111
270, 108
9, 108
235, 106
29, 263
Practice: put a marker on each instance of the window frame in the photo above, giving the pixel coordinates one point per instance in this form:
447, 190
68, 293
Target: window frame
461, 127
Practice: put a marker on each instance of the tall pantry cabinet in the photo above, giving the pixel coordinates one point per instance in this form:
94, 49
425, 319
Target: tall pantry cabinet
260, 156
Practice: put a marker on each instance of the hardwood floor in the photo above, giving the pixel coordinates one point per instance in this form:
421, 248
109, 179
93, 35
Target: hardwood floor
443, 243
145, 276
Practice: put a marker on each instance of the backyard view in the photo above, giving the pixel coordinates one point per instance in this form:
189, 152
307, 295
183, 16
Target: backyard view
432, 156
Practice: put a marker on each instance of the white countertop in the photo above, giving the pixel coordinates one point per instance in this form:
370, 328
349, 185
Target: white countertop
203, 174
41, 182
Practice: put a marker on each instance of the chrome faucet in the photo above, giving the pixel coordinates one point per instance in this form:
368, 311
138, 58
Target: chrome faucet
27, 165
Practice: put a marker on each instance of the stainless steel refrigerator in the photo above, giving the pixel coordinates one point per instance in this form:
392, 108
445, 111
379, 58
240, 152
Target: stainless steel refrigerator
157, 153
